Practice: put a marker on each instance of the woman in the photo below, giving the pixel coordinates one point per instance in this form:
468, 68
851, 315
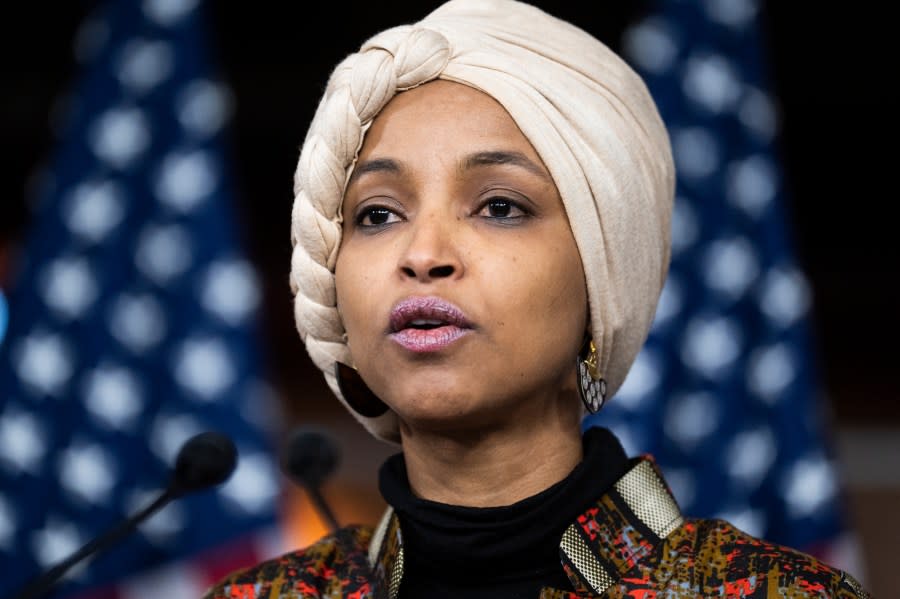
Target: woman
480, 237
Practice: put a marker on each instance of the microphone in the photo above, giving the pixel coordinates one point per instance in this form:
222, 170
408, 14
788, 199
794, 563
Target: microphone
204, 461
309, 459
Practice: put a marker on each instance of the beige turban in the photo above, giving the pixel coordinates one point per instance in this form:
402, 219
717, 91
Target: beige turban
588, 116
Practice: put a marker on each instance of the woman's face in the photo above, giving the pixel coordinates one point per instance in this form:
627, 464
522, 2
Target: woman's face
458, 279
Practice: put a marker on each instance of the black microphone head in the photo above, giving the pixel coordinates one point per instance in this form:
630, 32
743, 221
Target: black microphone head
310, 457
205, 460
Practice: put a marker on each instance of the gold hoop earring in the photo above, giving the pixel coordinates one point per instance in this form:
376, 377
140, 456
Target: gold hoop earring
591, 384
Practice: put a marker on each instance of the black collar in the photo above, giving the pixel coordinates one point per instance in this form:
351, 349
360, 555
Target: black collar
563, 522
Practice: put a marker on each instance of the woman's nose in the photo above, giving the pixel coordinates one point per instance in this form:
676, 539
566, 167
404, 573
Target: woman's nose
431, 252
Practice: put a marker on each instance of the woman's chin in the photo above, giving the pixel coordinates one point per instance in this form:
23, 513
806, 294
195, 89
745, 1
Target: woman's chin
444, 409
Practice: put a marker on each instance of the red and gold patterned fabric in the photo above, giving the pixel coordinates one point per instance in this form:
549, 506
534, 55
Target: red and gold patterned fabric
632, 543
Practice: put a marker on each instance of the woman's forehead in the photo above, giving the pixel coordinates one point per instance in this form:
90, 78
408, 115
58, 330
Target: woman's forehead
443, 116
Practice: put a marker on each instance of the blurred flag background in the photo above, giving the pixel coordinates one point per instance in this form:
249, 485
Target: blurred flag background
727, 392
133, 325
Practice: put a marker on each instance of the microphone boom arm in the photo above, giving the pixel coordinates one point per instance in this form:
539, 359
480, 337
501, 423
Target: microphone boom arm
204, 461
115, 534
322, 506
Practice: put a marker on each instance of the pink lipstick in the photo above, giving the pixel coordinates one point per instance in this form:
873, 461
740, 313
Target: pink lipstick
427, 324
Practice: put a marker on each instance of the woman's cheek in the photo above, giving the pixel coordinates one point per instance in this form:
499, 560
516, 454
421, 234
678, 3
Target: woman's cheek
356, 289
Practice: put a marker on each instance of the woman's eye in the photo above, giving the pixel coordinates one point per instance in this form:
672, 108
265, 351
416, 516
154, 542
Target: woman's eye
376, 216
501, 208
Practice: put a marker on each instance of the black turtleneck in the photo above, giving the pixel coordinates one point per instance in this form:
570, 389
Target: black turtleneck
510, 551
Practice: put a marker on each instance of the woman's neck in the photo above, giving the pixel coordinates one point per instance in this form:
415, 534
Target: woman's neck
494, 466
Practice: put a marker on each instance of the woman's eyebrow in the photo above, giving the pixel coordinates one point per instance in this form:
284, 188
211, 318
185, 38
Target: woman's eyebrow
504, 157
377, 165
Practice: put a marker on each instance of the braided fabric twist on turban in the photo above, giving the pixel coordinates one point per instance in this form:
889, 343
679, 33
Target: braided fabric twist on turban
586, 113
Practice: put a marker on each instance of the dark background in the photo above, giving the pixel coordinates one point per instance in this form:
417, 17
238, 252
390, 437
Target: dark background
829, 72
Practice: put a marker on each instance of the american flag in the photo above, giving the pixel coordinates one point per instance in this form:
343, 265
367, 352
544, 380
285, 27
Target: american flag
132, 325
726, 392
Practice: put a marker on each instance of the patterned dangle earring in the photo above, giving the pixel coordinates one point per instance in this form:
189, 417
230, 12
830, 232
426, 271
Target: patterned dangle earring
591, 385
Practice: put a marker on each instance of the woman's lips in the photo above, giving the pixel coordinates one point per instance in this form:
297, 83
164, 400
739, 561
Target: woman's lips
427, 324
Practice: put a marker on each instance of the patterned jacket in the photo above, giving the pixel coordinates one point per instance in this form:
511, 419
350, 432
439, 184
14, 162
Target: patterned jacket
632, 543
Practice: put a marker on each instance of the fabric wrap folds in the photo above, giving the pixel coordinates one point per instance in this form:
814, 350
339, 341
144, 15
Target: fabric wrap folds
586, 112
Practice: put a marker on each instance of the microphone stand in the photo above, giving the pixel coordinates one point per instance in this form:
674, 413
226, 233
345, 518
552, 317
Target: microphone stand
205, 460
321, 505
310, 457
113, 535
